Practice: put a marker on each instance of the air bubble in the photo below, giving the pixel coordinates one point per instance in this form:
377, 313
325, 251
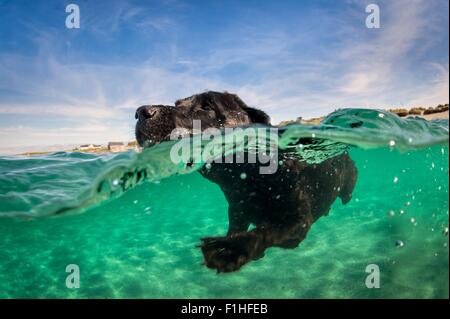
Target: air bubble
243, 176
391, 143
395, 180
399, 244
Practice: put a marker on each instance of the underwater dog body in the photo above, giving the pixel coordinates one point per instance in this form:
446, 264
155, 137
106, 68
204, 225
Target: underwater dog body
282, 206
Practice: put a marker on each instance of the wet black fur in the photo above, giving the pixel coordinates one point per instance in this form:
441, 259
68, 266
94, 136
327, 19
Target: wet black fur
282, 206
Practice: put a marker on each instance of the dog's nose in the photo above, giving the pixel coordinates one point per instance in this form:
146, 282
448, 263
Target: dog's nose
147, 112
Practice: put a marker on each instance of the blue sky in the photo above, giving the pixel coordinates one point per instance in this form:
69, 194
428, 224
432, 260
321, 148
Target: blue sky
289, 58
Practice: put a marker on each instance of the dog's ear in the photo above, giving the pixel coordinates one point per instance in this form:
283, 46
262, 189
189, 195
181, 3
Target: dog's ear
257, 116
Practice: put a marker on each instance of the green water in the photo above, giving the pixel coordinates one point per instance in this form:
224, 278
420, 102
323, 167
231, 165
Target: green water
141, 243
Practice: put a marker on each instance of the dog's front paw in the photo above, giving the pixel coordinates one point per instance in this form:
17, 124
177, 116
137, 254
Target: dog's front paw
226, 254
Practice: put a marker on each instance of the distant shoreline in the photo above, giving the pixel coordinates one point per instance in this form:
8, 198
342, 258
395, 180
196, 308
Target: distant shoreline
433, 114
97, 150
438, 112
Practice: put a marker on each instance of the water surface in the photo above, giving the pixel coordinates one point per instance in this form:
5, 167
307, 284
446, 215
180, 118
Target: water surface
132, 221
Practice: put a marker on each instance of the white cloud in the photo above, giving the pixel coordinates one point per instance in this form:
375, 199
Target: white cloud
434, 92
364, 68
376, 68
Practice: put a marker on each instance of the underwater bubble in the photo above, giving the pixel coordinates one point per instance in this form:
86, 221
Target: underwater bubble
391, 143
277, 197
135, 201
399, 244
208, 166
395, 180
445, 232
243, 176
391, 213
115, 182
148, 210
408, 204
412, 220
380, 115
410, 140
402, 211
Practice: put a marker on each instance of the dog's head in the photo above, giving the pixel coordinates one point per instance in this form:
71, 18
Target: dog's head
213, 109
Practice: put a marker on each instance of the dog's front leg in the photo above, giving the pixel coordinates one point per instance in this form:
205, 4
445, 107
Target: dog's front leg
229, 253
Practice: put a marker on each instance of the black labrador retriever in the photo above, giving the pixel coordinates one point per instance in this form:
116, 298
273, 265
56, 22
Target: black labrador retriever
282, 206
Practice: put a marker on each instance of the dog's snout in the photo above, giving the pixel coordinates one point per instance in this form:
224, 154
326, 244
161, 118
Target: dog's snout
146, 112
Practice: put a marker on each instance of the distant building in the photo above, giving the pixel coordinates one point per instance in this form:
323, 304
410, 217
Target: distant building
88, 147
132, 144
117, 147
